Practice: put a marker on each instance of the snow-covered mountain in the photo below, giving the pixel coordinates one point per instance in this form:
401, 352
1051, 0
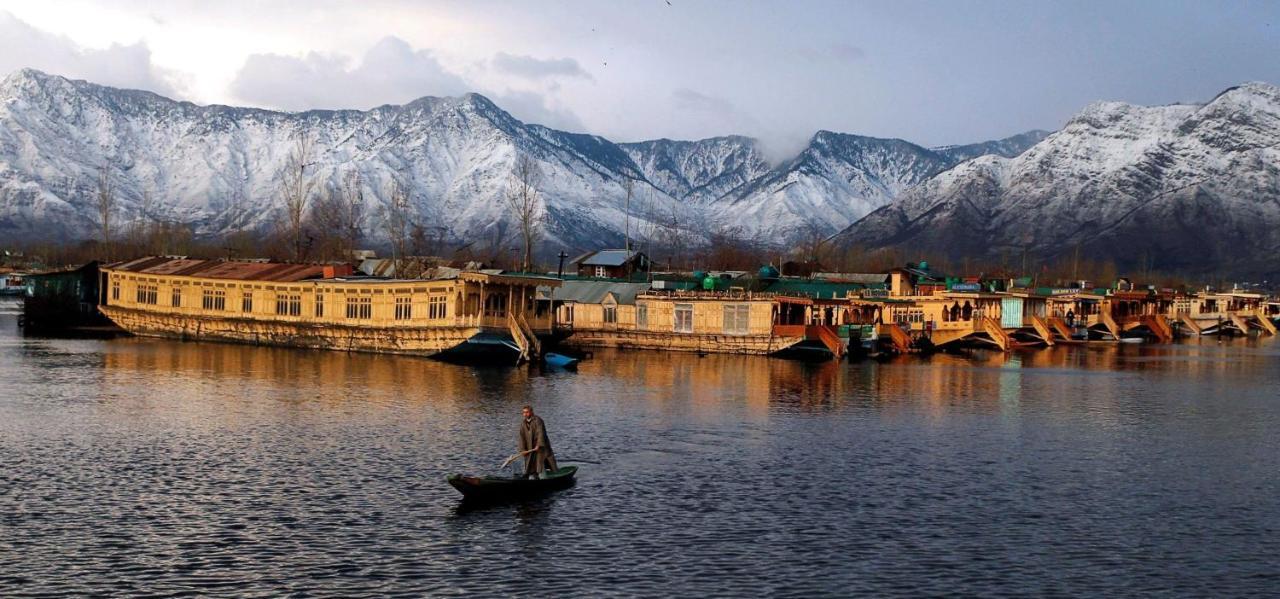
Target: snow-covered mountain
838, 178
1007, 147
219, 168
1178, 187
699, 171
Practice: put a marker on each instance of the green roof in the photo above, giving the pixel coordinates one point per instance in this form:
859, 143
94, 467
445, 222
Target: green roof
814, 289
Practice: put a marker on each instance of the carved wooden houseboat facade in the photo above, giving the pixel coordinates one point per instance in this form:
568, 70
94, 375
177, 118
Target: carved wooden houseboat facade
458, 314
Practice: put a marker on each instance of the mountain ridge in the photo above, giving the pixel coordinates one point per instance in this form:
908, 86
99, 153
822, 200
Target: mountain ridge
217, 167
1180, 187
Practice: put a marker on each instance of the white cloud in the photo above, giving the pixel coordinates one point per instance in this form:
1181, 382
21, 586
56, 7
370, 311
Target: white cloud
391, 72
538, 68
119, 65
687, 99
532, 107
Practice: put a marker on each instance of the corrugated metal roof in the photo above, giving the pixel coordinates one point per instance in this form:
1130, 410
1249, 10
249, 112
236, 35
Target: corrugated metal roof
378, 267
594, 292
608, 258
219, 269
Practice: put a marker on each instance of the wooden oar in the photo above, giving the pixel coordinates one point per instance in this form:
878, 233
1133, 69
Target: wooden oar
517, 456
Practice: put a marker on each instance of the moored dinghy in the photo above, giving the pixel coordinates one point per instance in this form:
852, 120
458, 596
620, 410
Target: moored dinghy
559, 360
500, 489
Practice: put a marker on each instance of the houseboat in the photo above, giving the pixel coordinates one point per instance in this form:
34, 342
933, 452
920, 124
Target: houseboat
468, 315
66, 301
12, 284
702, 319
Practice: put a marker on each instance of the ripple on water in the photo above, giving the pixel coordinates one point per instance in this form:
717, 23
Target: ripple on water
151, 467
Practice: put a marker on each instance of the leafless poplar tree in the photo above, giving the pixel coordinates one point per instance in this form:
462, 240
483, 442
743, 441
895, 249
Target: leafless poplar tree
674, 236
143, 230
397, 223
628, 186
814, 243
106, 203
526, 204
295, 190
338, 217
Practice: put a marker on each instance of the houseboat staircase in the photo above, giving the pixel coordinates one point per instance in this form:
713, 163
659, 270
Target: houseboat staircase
1109, 324
1265, 322
1240, 323
828, 337
1042, 330
1191, 324
997, 334
1063, 331
1159, 326
899, 338
525, 339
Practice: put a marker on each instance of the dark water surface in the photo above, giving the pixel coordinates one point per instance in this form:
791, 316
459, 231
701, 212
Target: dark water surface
138, 466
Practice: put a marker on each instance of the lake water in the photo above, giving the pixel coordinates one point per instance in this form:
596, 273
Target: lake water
136, 466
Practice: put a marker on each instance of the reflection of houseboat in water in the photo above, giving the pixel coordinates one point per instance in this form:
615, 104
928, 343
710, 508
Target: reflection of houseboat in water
452, 314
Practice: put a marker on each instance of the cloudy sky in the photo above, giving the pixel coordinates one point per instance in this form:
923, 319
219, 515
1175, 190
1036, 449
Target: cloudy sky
932, 72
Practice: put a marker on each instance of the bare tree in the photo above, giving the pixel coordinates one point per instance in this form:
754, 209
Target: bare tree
144, 230
106, 201
629, 186
398, 225
492, 243
526, 204
338, 217
295, 190
814, 244
674, 236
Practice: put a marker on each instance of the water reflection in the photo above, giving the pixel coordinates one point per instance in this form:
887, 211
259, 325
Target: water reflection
141, 465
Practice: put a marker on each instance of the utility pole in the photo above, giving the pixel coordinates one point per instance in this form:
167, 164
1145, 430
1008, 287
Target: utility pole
561, 256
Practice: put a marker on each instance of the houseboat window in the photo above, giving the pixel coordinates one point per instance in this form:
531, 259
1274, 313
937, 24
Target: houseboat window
404, 308
611, 314
642, 315
246, 302
115, 290
319, 305
495, 305
289, 305
177, 297
737, 319
147, 294
359, 308
214, 299
684, 318
602, 272
436, 307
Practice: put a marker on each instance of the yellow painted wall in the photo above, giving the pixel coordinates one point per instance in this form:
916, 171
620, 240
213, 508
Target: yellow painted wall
382, 299
708, 316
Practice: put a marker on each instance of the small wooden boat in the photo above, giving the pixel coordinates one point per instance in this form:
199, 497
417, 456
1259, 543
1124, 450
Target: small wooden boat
559, 360
502, 489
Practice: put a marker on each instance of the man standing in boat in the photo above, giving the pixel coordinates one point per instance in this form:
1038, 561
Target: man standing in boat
535, 446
